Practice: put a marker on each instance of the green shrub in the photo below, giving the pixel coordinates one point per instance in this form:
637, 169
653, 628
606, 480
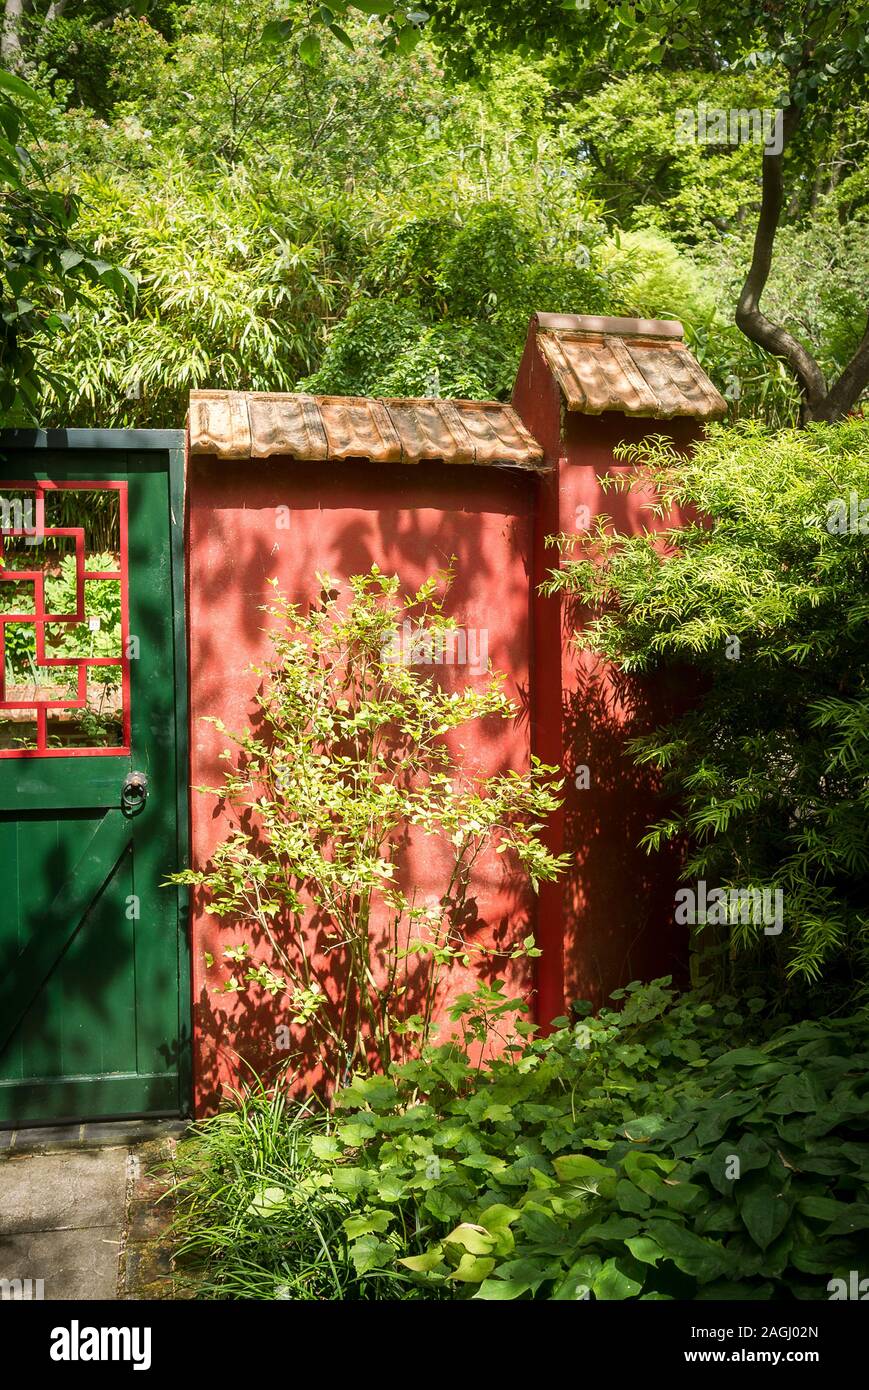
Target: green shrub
444, 305
598, 1160
350, 757
235, 276
257, 1215
762, 611
750, 1181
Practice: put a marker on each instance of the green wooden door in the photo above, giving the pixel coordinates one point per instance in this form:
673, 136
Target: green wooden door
94, 1014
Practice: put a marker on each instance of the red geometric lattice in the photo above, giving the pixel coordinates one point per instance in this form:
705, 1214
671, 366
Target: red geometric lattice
80, 665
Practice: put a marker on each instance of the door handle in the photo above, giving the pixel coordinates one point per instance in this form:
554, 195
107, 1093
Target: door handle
134, 793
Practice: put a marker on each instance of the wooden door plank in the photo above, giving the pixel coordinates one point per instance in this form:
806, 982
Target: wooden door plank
22, 978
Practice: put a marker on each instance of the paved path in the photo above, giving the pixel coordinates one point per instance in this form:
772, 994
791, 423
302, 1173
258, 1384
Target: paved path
68, 1198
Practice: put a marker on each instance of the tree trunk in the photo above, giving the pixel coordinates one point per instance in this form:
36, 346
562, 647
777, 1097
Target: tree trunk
11, 50
818, 401
844, 394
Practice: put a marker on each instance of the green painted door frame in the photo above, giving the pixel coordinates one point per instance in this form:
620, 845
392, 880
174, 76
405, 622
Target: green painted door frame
94, 954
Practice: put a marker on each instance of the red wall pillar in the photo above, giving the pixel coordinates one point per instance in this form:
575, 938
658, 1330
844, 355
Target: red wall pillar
609, 919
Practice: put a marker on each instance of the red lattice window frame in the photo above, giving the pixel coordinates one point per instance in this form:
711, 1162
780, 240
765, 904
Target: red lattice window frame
39, 618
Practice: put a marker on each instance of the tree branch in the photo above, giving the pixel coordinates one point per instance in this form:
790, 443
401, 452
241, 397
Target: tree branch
749, 316
845, 392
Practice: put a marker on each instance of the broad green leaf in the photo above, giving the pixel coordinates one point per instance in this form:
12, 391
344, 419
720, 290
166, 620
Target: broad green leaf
630, 1198
763, 1208
497, 1112
612, 1283
369, 1253
377, 1091
793, 1096
819, 1208
476, 1239
682, 1196
424, 1264
501, 1290
523, 1275
408, 38
571, 1167
367, 1224
853, 1216
356, 1131
740, 1057
326, 1146
486, 1163
578, 1280
644, 1249
442, 1205
498, 1217
472, 1269
704, 1259
278, 30
614, 1228
267, 1201
310, 47
18, 87
342, 36
352, 1180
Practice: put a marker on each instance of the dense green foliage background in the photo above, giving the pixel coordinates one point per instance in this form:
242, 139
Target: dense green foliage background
382, 223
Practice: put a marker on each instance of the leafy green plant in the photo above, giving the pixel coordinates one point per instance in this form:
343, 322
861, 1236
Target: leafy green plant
764, 601
102, 604
636, 1154
445, 301
257, 1217
261, 178
236, 281
819, 56
43, 267
752, 1182
687, 189
352, 756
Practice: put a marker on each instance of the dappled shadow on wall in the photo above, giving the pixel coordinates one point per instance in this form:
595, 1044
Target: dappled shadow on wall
344, 518
619, 900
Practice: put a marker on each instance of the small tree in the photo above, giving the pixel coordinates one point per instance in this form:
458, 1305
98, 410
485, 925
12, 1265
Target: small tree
352, 753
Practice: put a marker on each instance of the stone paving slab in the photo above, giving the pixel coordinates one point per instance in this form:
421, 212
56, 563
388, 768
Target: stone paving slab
72, 1264
63, 1191
79, 1210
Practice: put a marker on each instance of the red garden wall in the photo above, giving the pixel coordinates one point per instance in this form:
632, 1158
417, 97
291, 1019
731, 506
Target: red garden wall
343, 518
254, 518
